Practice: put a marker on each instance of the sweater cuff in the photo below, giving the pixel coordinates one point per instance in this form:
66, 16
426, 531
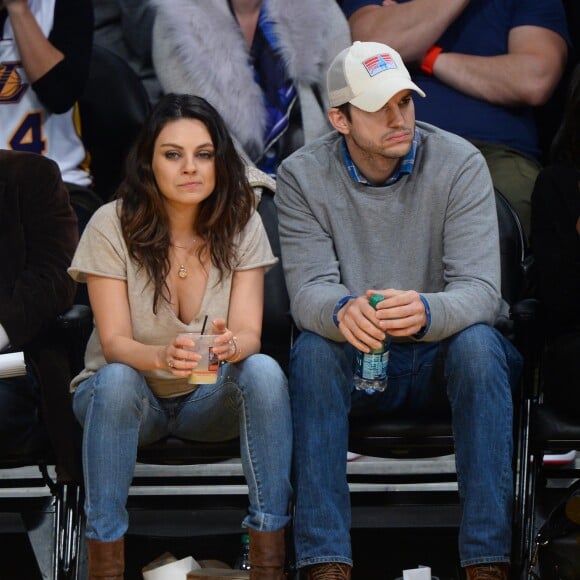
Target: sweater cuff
338, 306
425, 329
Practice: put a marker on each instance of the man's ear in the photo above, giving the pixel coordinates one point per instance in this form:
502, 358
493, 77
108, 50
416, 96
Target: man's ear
339, 121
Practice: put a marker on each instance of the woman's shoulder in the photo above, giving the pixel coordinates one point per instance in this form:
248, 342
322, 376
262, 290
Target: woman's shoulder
106, 217
253, 224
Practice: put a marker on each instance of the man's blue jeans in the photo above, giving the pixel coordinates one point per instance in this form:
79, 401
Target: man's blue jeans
480, 369
119, 412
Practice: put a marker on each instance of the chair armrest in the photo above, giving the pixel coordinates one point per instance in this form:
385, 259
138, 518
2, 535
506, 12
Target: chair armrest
529, 339
74, 328
78, 316
525, 311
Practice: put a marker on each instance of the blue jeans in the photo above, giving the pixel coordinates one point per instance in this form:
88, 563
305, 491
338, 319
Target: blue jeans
480, 368
119, 412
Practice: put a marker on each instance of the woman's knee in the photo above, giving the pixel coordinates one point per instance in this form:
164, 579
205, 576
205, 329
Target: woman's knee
114, 387
263, 377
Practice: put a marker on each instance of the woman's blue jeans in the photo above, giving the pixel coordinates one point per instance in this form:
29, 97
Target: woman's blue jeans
479, 370
119, 412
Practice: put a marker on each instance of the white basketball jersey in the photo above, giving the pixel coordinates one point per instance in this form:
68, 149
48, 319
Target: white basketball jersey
25, 125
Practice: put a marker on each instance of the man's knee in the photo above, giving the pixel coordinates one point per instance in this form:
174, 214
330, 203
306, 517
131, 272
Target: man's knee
320, 365
480, 351
310, 346
474, 343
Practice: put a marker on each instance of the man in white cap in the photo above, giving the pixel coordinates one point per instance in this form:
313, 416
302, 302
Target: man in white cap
392, 206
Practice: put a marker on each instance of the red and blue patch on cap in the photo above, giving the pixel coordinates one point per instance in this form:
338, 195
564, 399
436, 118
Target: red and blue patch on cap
379, 63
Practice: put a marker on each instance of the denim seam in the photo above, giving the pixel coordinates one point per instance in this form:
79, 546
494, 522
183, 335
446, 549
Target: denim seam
485, 560
323, 560
245, 423
85, 452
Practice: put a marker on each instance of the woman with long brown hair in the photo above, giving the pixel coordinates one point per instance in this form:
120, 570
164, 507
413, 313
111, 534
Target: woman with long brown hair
182, 244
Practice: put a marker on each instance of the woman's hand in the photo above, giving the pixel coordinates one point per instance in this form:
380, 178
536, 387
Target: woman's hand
177, 358
225, 345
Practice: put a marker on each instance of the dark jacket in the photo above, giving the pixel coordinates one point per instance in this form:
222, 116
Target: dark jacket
38, 236
556, 246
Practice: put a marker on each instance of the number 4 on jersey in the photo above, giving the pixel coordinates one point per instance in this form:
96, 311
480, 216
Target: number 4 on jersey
28, 135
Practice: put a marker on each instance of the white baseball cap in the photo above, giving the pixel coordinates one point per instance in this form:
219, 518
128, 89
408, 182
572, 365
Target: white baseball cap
367, 75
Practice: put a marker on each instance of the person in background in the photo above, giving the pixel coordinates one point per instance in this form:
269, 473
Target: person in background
45, 49
38, 236
387, 205
485, 65
182, 243
125, 27
556, 249
261, 63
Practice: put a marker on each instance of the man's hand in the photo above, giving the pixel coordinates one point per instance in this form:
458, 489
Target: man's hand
401, 313
358, 322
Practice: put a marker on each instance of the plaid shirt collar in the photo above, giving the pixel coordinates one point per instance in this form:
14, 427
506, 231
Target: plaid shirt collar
404, 168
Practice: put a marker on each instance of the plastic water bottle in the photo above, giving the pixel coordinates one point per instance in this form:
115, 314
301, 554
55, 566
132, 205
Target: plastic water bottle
243, 560
370, 368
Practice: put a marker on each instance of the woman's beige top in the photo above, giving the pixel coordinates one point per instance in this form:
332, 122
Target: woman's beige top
102, 252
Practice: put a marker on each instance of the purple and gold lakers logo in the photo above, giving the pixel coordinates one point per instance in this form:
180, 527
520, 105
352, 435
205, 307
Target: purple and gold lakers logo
11, 86
379, 63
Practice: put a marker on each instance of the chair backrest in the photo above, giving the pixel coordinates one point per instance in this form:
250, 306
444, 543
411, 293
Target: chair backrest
112, 110
516, 261
277, 324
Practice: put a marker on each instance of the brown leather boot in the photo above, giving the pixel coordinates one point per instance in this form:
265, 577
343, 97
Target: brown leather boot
106, 559
267, 555
488, 572
329, 571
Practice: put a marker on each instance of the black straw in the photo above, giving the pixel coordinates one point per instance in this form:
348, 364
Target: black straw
203, 326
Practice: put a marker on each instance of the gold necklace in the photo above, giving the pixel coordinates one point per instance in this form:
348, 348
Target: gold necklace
182, 270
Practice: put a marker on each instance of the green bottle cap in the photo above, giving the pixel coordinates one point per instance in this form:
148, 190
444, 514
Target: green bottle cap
375, 299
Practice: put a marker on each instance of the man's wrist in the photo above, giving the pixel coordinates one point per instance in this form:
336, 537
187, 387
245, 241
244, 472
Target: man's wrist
429, 59
425, 329
338, 306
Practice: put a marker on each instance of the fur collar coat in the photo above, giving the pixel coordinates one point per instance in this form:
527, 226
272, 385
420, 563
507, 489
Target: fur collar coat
198, 48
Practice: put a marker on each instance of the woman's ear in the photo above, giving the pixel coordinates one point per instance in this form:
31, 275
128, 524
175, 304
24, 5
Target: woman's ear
339, 121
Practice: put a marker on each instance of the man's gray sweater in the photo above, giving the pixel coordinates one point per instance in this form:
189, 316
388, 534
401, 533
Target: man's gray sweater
434, 231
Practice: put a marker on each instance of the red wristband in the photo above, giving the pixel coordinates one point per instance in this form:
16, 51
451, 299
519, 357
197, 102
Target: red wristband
430, 58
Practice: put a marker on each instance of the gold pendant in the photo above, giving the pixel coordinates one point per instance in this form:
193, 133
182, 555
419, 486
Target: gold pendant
182, 272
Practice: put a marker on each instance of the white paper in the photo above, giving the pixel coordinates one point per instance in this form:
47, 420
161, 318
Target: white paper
12, 365
174, 571
421, 573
